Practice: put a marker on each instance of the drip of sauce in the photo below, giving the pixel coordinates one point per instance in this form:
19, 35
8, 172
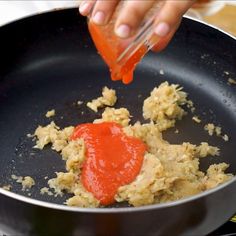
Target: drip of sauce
110, 47
112, 159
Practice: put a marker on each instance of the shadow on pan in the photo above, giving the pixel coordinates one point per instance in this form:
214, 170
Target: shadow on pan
49, 61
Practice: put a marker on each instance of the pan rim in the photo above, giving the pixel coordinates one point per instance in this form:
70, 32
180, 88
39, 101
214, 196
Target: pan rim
113, 210
211, 26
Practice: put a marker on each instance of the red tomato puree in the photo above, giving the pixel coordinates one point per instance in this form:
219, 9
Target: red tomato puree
110, 49
112, 158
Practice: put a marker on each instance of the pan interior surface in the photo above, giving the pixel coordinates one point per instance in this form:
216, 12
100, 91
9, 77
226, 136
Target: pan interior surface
49, 62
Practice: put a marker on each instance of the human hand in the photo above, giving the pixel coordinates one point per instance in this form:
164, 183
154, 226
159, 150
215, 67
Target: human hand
130, 17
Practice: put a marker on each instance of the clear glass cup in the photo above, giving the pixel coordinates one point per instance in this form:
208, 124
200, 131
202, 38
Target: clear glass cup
127, 52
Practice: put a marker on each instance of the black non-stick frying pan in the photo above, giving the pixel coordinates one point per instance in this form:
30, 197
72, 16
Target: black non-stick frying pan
49, 61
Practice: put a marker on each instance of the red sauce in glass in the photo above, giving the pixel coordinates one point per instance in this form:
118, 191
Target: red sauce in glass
112, 159
110, 49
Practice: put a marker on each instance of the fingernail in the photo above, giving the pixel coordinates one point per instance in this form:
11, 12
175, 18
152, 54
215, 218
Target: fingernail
123, 31
99, 18
84, 8
162, 29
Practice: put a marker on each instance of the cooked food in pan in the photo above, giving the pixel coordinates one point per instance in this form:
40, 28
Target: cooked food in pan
112, 160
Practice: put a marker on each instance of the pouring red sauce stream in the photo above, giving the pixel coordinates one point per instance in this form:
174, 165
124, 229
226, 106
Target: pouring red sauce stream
112, 159
110, 50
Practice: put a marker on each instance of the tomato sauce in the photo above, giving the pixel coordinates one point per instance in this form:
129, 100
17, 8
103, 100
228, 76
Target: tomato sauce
112, 159
110, 48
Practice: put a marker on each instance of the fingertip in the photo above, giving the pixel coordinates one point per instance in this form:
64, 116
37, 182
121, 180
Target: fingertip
131, 16
103, 11
123, 31
162, 29
85, 8
99, 18
164, 41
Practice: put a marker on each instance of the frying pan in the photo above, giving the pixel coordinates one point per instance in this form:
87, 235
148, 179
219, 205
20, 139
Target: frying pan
49, 61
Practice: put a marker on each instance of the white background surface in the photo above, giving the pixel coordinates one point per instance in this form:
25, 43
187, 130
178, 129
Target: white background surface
12, 10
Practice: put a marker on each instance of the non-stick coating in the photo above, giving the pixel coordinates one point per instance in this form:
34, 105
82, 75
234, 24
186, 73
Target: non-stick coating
49, 62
